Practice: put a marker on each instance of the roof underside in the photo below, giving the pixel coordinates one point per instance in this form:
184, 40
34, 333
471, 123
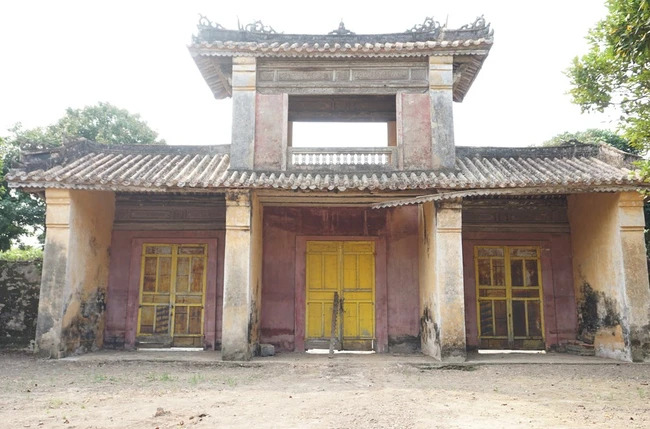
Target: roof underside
214, 46
206, 169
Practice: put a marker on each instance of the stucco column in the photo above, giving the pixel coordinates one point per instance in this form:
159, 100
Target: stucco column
610, 273
442, 304
243, 112
242, 276
441, 80
75, 271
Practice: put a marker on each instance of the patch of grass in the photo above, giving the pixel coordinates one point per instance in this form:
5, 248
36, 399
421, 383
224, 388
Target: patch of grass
99, 378
54, 403
196, 379
231, 382
159, 377
642, 393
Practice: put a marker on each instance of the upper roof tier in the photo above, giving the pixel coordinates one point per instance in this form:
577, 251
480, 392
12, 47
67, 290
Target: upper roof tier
214, 46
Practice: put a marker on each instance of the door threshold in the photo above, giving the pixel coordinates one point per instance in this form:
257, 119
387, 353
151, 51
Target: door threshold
338, 352
498, 352
170, 349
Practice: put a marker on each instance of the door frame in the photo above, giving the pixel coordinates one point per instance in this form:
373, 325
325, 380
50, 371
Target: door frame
381, 301
213, 287
555, 263
174, 257
508, 289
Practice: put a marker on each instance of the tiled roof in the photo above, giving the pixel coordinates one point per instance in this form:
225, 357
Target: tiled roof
335, 49
263, 37
214, 46
206, 168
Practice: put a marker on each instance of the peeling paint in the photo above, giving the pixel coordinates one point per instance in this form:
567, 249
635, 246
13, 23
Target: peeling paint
20, 283
595, 311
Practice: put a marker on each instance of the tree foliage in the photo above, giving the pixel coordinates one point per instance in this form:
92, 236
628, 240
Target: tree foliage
22, 213
594, 135
615, 73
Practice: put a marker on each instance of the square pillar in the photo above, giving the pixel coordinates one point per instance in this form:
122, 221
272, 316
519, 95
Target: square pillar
75, 271
242, 147
610, 273
442, 303
441, 80
242, 276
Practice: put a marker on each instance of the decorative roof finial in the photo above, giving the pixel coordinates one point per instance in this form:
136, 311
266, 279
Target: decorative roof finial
428, 26
258, 27
341, 31
478, 23
204, 22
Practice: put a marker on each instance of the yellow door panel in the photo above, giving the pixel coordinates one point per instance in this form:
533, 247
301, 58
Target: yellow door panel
508, 293
366, 271
366, 320
172, 294
330, 269
350, 320
346, 267
314, 271
315, 320
350, 271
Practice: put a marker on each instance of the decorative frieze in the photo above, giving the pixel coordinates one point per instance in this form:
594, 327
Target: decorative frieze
165, 212
336, 77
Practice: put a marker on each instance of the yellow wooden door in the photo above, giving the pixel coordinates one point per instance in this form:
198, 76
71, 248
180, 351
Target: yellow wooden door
172, 294
509, 297
346, 268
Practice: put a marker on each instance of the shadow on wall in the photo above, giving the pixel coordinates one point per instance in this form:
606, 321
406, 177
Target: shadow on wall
20, 284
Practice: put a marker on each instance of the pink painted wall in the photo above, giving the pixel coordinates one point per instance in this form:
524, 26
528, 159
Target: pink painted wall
560, 314
284, 227
271, 112
123, 284
414, 130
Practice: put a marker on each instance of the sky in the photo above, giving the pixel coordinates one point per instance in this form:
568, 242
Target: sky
133, 54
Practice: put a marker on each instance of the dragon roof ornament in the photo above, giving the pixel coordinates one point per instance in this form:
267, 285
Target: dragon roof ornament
258, 27
429, 25
205, 23
479, 24
341, 31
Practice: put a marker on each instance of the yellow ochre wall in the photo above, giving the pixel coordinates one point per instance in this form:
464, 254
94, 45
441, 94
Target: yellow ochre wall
610, 269
75, 271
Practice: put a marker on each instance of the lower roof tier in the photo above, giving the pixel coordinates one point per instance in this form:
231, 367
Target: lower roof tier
86, 165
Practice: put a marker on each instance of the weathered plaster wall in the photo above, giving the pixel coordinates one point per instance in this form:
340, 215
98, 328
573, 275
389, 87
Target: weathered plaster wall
271, 120
428, 307
256, 273
243, 112
610, 273
441, 80
75, 271
282, 226
442, 301
237, 279
124, 282
414, 131
20, 284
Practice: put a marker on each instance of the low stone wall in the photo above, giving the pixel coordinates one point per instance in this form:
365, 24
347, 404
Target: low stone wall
20, 283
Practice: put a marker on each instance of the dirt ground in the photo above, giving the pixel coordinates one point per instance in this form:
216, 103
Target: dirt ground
351, 392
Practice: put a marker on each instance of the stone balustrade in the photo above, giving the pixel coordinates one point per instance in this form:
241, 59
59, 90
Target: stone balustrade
382, 158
